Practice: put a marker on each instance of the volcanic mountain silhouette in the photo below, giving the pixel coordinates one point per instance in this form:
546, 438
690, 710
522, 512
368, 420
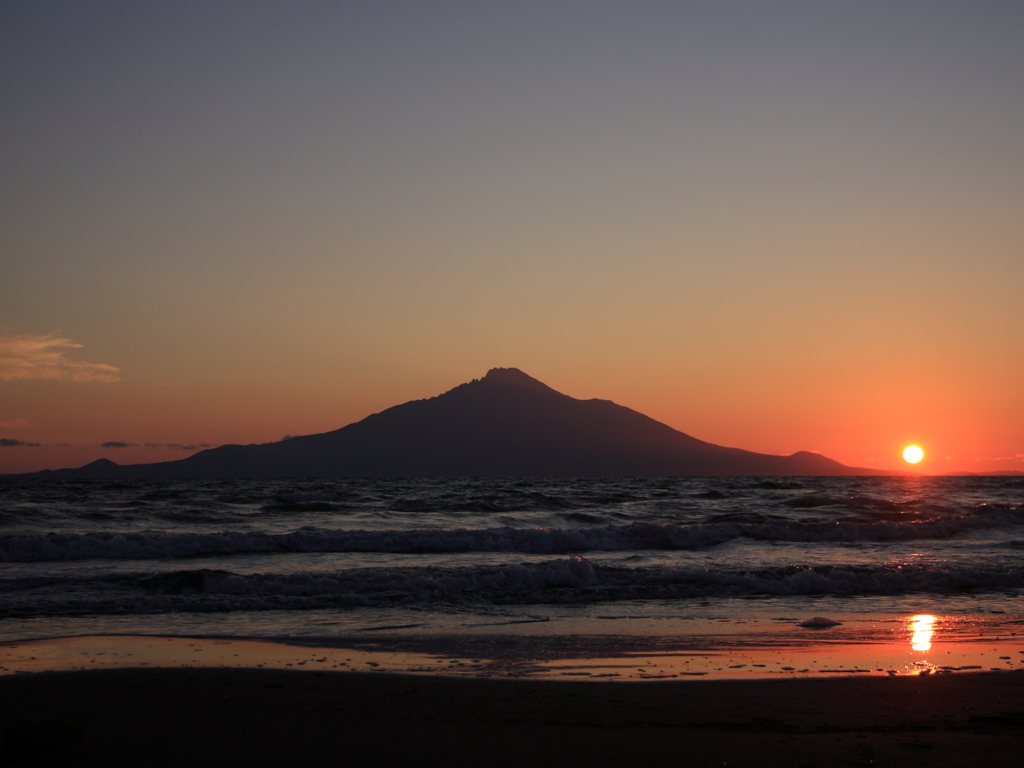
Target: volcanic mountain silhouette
506, 424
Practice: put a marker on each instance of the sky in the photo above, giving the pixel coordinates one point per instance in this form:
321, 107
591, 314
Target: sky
776, 226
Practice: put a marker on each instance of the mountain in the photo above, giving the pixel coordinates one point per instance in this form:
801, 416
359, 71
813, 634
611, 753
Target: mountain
506, 424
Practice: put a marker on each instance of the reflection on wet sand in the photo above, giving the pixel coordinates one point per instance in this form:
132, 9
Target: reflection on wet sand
877, 647
921, 629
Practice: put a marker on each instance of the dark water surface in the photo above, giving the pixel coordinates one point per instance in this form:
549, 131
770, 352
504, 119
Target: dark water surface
294, 557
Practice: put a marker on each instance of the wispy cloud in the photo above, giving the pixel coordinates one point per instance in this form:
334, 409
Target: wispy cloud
6, 442
14, 424
117, 444
46, 357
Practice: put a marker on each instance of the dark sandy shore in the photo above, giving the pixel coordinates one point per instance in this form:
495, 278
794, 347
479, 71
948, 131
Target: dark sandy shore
178, 717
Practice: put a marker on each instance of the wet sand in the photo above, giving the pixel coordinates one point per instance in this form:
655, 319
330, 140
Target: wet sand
829, 700
749, 655
204, 716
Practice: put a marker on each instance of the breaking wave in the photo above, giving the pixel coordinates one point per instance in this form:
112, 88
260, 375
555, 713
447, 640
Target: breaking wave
569, 580
148, 545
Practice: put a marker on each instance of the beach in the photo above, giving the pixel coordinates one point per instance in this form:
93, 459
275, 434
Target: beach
680, 621
205, 716
226, 701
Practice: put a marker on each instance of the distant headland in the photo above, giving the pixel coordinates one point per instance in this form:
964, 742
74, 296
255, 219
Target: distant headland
506, 424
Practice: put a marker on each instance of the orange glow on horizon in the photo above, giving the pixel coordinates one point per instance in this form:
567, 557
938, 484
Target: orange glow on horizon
69, 430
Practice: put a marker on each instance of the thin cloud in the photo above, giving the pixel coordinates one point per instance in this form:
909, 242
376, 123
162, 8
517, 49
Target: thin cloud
9, 442
46, 357
6, 442
179, 446
14, 424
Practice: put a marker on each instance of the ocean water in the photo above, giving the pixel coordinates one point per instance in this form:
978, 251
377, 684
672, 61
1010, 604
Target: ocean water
422, 558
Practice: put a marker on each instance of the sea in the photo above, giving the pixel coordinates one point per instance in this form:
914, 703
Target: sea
413, 561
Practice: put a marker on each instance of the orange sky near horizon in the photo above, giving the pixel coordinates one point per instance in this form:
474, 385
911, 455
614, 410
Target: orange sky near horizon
772, 226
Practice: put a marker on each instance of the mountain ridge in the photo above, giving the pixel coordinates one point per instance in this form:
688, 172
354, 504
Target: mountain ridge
506, 424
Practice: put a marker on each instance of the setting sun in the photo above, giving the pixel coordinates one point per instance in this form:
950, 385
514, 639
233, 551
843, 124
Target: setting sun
913, 454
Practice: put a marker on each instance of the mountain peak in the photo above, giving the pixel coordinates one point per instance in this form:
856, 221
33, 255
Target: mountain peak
513, 377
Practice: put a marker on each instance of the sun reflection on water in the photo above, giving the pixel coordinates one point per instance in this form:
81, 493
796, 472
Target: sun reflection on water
921, 629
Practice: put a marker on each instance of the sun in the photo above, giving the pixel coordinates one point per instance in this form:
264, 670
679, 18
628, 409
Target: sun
913, 454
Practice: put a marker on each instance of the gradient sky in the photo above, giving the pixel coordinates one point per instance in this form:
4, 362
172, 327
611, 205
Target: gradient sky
776, 226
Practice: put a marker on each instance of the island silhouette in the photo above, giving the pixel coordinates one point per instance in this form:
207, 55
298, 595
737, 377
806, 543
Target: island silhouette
506, 424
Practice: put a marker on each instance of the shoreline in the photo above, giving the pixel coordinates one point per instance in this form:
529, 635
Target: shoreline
921, 645
210, 716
